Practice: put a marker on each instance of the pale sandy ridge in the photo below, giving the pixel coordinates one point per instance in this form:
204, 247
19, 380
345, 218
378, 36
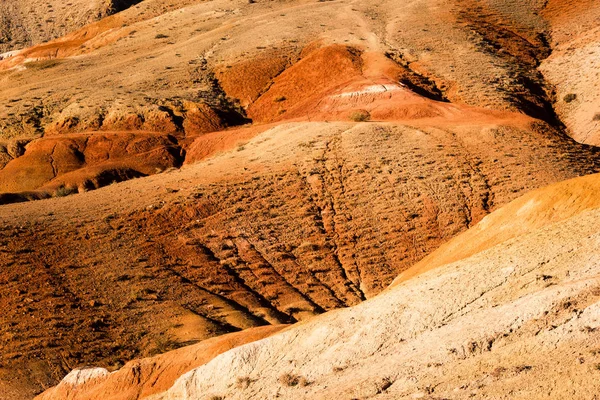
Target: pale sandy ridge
142, 378
573, 68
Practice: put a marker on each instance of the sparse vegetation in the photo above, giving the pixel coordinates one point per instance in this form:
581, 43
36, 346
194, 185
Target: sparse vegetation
243, 382
289, 379
42, 64
163, 344
135, 295
384, 384
360, 116
63, 191
522, 368
333, 204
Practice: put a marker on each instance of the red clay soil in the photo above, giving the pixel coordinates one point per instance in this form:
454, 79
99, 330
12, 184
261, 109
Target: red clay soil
69, 45
88, 161
307, 82
116, 147
204, 146
560, 12
189, 118
341, 83
92, 36
248, 79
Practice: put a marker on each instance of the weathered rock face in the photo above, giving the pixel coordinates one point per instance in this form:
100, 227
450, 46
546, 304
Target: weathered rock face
117, 146
343, 83
297, 219
533, 211
84, 162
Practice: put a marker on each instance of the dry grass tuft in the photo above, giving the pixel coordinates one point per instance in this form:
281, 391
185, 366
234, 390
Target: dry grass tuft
290, 380
360, 116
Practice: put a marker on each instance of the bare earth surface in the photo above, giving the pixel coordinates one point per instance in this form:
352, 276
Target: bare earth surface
25, 23
193, 176
518, 320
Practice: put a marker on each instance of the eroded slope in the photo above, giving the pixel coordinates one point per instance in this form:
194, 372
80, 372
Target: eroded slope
305, 213
189, 67
303, 218
521, 313
502, 323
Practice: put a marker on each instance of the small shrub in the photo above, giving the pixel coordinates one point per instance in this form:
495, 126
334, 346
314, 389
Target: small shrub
569, 97
596, 117
302, 381
413, 216
384, 384
135, 295
243, 382
293, 380
63, 191
279, 99
161, 36
42, 64
360, 116
522, 368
